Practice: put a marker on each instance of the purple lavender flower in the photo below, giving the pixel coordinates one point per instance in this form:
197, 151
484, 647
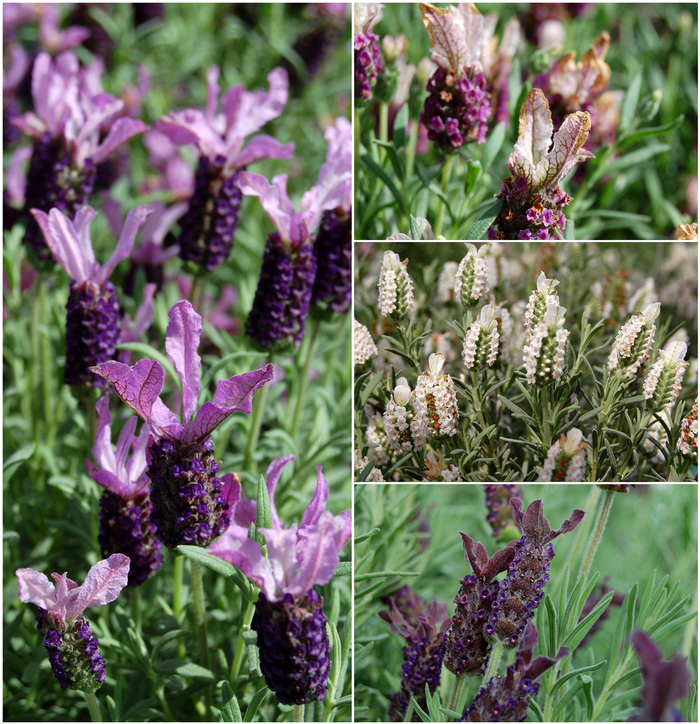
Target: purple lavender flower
125, 506
66, 132
467, 642
69, 642
367, 56
289, 619
506, 698
210, 223
92, 324
422, 657
528, 572
500, 517
191, 504
288, 272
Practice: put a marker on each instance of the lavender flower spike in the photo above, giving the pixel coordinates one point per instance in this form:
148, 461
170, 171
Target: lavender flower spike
92, 323
190, 503
289, 618
210, 223
70, 645
125, 506
288, 272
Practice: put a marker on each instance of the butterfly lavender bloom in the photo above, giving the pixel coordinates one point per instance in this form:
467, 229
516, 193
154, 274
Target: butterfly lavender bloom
69, 642
289, 618
333, 245
125, 506
191, 504
281, 302
93, 309
66, 130
368, 61
210, 223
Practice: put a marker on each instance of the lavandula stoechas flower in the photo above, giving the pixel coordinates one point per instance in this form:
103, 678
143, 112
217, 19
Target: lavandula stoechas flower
500, 516
422, 656
498, 64
537, 303
363, 346
125, 506
688, 440
506, 698
566, 458
533, 201
289, 619
435, 392
361, 463
544, 355
395, 287
333, 246
93, 309
457, 107
468, 648
208, 227
66, 131
472, 277
405, 419
662, 385
528, 573
69, 642
631, 347
367, 57
288, 273
481, 341
191, 503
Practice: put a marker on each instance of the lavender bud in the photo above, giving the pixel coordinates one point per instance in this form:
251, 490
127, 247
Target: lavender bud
405, 419
633, 342
688, 440
435, 392
333, 251
481, 341
500, 516
472, 276
363, 348
662, 384
395, 287
294, 647
544, 356
537, 304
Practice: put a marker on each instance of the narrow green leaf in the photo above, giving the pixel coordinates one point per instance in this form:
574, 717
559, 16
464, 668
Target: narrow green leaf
250, 639
493, 144
361, 653
400, 126
553, 622
424, 716
575, 605
471, 177
588, 693
229, 709
631, 603
365, 536
393, 157
566, 677
385, 574
344, 568
566, 699
535, 708
636, 158
376, 169
629, 104
482, 224
563, 593
255, 703
577, 635
223, 568
263, 516
416, 233
643, 133
517, 411
11, 465
175, 666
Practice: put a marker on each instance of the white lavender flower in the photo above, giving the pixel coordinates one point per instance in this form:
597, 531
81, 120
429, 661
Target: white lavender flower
566, 459
435, 392
377, 440
688, 440
364, 347
505, 331
481, 341
395, 287
361, 463
446, 281
405, 420
662, 384
537, 304
472, 277
631, 347
544, 355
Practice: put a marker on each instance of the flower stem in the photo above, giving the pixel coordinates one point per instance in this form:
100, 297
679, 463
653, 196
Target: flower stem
383, 122
411, 151
330, 361
494, 660
93, 706
446, 174
178, 564
597, 534
201, 619
135, 595
246, 618
193, 292
299, 712
456, 694
304, 379
34, 371
255, 425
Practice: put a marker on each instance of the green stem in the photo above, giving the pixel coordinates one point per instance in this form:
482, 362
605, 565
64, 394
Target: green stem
597, 534
92, 422
330, 361
446, 173
304, 379
383, 122
246, 618
93, 706
456, 694
200, 615
193, 292
411, 150
34, 370
47, 367
136, 607
589, 181
409, 711
298, 712
494, 660
255, 426
178, 564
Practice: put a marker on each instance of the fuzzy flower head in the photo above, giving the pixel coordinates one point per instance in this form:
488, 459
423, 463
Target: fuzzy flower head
395, 287
662, 384
472, 276
688, 440
363, 348
481, 341
566, 459
405, 419
537, 303
435, 392
631, 347
544, 355
367, 56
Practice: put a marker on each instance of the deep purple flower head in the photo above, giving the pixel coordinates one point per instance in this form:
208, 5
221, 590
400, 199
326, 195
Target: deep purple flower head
500, 517
125, 507
506, 698
467, 643
664, 681
367, 56
191, 504
70, 645
92, 324
289, 620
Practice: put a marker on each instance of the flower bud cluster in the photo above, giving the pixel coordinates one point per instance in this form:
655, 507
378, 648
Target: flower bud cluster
545, 354
333, 251
566, 459
498, 504
405, 419
481, 342
537, 303
472, 277
379, 448
367, 56
363, 347
631, 347
361, 463
662, 384
688, 440
395, 287
435, 392
504, 325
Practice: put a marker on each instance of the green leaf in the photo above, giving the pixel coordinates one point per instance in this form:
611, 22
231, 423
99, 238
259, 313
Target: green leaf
376, 169
588, 693
223, 568
636, 158
362, 653
643, 133
607, 214
344, 568
230, 709
250, 639
566, 700
563, 679
393, 157
255, 703
470, 178
416, 233
629, 104
400, 126
166, 639
365, 536
371, 386
553, 621
181, 668
578, 634
517, 411
493, 144
482, 224
263, 516
11, 465
535, 707
385, 574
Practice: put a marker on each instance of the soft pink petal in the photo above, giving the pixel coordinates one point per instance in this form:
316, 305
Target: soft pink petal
30, 124
212, 93
342, 528
447, 33
320, 558
103, 584
122, 130
81, 223
281, 551
568, 148
35, 587
317, 506
246, 555
274, 470
231, 490
19, 65
62, 239
273, 198
16, 176
134, 221
102, 450
261, 147
42, 72
126, 437
105, 106
110, 481
112, 210
181, 342
191, 126
137, 464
